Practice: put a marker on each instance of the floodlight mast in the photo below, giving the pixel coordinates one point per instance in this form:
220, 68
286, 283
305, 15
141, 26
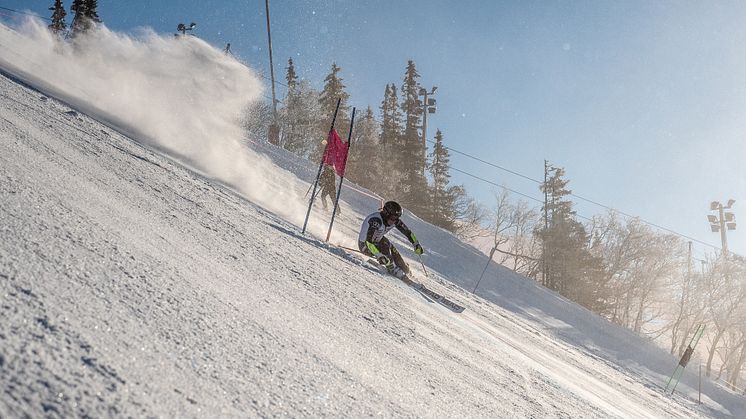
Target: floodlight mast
184, 28
428, 106
719, 223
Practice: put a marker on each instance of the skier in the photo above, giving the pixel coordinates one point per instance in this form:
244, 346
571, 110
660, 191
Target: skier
372, 242
328, 184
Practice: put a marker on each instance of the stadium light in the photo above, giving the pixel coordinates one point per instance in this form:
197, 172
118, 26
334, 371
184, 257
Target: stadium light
723, 222
184, 28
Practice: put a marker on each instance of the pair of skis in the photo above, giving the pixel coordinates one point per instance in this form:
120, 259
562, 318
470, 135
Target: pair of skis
428, 294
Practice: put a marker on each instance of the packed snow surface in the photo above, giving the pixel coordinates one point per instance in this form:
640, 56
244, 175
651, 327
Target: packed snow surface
152, 264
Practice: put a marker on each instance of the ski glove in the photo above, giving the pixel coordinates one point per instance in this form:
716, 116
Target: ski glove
384, 260
418, 248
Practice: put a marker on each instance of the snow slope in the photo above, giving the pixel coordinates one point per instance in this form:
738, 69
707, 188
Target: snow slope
140, 278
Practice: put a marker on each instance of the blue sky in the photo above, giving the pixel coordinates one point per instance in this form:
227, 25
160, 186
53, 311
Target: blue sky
643, 103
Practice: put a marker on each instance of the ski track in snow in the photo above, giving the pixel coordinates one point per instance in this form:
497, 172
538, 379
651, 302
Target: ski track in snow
132, 286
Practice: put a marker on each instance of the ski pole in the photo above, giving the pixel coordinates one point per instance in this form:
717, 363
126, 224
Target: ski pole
423, 266
350, 249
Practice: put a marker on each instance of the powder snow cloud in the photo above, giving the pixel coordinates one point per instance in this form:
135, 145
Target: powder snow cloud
179, 95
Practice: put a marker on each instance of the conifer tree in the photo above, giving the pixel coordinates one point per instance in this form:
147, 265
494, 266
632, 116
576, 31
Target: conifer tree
364, 163
299, 116
92, 12
333, 90
79, 8
571, 269
58, 25
390, 140
441, 207
291, 77
291, 140
391, 118
86, 16
412, 162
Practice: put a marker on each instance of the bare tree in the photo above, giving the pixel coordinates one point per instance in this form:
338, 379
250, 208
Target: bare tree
512, 226
738, 364
726, 292
638, 262
469, 214
689, 310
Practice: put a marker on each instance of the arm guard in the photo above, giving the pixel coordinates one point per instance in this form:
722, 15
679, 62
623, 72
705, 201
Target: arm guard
406, 231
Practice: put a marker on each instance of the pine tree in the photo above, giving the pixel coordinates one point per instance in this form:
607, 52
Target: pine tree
86, 16
571, 269
333, 90
80, 24
391, 118
58, 24
299, 116
79, 7
91, 11
413, 160
558, 213
364, 163
292, 139
390, 140
291, 77
441, 207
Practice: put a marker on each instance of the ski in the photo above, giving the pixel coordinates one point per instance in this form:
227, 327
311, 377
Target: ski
427, 293
438, 298
422, 289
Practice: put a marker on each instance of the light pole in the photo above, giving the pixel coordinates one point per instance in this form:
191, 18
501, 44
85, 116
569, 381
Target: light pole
184, 28
428, 106
274, 129
724, 220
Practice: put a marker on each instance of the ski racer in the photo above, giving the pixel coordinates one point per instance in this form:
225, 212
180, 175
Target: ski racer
372, 242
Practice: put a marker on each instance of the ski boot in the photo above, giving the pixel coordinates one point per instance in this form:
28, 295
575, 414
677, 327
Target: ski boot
397, 272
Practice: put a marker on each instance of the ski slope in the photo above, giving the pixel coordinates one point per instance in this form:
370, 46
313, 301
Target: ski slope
152, 265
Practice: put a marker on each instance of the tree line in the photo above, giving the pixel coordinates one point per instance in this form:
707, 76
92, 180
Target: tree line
388, 154
629, 273
619, 268
85, 17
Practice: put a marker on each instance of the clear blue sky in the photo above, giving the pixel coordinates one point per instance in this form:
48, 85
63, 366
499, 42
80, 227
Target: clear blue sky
643, 103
